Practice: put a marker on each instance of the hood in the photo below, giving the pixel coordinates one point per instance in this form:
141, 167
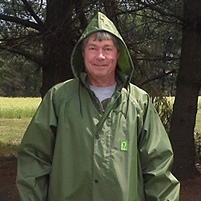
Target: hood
101, 23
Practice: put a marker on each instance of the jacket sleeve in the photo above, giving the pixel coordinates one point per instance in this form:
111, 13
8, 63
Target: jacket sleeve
36, 152
156, 158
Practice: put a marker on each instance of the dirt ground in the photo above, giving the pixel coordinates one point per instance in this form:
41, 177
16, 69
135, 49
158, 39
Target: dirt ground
190, 190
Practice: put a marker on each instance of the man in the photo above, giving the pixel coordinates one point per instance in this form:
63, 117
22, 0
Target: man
97, 137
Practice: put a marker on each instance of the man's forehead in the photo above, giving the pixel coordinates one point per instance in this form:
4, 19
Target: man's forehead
92, 40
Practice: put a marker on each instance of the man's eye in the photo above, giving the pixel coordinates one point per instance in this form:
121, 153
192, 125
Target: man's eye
108, 49
92, 48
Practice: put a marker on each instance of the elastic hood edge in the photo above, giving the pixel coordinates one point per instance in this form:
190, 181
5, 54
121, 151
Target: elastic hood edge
101, 23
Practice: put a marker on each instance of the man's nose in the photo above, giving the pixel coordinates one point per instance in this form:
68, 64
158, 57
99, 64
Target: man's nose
100, 55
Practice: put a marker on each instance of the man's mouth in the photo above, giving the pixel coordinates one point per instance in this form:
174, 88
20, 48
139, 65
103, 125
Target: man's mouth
100, 65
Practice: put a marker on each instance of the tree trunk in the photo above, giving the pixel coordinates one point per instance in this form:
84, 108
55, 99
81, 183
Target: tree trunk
57, 43
111, 9
188, 86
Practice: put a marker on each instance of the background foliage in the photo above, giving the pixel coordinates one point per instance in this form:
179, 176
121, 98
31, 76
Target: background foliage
163, 37
151, 29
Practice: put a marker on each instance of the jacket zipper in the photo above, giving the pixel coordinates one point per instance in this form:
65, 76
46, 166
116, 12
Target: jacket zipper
100, 106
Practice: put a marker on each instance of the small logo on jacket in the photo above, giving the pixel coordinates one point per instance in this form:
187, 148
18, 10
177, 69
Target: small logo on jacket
124, 146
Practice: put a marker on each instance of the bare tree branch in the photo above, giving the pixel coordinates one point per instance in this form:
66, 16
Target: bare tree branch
159, 58
41, 4
157, 19
156, 8
80, 13
159, 76
34, 58
31, 11
21, 40
20, 21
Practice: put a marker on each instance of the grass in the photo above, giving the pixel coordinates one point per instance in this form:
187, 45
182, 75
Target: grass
15, 115
19, 108
11, 132
198, 121
198, 117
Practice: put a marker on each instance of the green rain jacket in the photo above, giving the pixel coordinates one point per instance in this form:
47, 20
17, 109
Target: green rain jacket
77, 149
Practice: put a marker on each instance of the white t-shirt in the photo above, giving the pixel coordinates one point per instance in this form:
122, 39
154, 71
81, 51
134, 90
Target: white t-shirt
103, 93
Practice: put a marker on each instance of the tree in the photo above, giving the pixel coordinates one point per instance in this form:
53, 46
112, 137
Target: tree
57, 43
46, 31
49, 27
188, 86
18, 77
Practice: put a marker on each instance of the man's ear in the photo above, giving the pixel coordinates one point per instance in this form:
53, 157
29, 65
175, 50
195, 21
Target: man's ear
82, 53
117, 55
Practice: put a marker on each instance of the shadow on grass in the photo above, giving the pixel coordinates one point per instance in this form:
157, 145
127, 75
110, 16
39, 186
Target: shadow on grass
8, 151
8, 171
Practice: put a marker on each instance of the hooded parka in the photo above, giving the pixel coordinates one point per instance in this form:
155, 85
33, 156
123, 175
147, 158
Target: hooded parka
78, 149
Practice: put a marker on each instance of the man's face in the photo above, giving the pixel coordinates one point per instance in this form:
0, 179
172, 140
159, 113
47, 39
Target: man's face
100, 58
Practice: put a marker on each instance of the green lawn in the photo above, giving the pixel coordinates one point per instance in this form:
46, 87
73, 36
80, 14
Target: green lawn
198, 121
11, 132
15, 115
11, 108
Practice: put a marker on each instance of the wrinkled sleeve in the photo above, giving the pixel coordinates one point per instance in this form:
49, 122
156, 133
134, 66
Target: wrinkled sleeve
156, 158
36, 152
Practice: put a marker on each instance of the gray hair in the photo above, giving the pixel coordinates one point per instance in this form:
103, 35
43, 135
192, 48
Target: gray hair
102, 35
